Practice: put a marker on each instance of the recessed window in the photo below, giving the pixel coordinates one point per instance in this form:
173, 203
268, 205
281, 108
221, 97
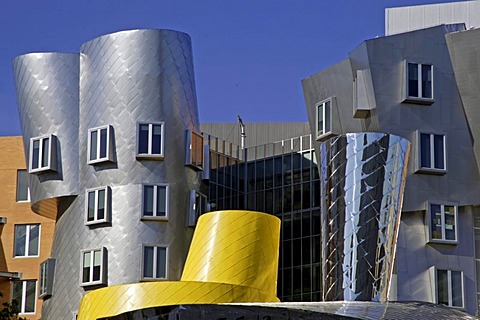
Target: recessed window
24, 293
97, 205
154, 262
443, 222
47, 269
324, 118
197, 207
42, 154
419, 83
432, 155
23, 192
93, 268
150, 140
194, 150
450, 288
155, 201
27, 240
100, 144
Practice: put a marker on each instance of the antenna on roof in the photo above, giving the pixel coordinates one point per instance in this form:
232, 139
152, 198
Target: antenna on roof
242, 128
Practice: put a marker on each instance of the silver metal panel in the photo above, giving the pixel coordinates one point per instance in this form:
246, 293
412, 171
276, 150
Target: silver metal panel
362, 179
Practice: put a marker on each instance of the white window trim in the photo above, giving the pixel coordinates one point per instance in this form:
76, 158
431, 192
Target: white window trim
51, 154
155, 190
155, 246
150, 155
449, 284
325, 133
27, 240
107, 202
109, 147
21, 306
102, 267
432, 168
419, 99
429, 218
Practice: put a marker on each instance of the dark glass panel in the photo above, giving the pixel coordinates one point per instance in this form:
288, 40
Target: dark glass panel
148, 200
412, 80
425, 155
143, 139
157, 139
45, 151
438, 151
103, 143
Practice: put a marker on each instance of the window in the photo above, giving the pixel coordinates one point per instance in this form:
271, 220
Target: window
150, 140
42, 154
23, 192
432, 152
93, 270
155, 201
154, 262
194, 152
24, 293
449, 288
443, 222
97, 205
100, 144
197, 207
419, 83
324, 118
27, 240
47, 269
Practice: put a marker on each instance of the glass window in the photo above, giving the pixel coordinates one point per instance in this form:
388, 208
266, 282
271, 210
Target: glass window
150, 140
450, 288
92, 267
41, 154
324, 118
197, 207
47, 268
23, 192
100, 144
155, 201
24, 293
194, 149
97, 205
419, 82
432, 152
443, 222
154, 262
27, 240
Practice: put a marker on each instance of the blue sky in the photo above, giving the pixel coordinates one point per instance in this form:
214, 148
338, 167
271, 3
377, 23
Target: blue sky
249, 55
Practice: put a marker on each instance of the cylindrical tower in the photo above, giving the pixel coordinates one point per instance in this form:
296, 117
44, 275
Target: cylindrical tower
363, 178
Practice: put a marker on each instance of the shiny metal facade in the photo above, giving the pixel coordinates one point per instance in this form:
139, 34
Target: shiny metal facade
118, 80
363, 178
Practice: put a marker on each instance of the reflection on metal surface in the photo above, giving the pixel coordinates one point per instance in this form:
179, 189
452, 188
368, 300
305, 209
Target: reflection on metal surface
233, 258
363, 177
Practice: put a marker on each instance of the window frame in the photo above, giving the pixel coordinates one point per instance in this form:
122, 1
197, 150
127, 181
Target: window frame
442, 222
449, 286
108, 148
150, 155
28, 188
325, 133
103, 256
155, 204
431, 169
45, 279
418, 99
107, 205
27, 240
193, 212
22, 303
155, 258
191, 156
51, 152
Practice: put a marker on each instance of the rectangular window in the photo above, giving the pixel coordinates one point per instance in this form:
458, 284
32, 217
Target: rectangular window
100, 144
97, 205
23, 192
42, 154
324, 118
419, 82
27, 240
24, 293
93, 268
450, 288
47, 269
150, 140
197, 207
432, 155
155, 201
194, 150
443, 222
154, 262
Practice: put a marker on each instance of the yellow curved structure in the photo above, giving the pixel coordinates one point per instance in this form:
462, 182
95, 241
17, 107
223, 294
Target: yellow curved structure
233, 258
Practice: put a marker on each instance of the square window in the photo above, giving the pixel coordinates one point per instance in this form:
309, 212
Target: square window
324, 118
47, 269
27, 240
24, 293
443, 223
23, 192
93, 267
150, 140
42, 155
97, 205
419, 83
155, 202
154, 262
432, 153
100, 144
194, 150
197, 207
449, 288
